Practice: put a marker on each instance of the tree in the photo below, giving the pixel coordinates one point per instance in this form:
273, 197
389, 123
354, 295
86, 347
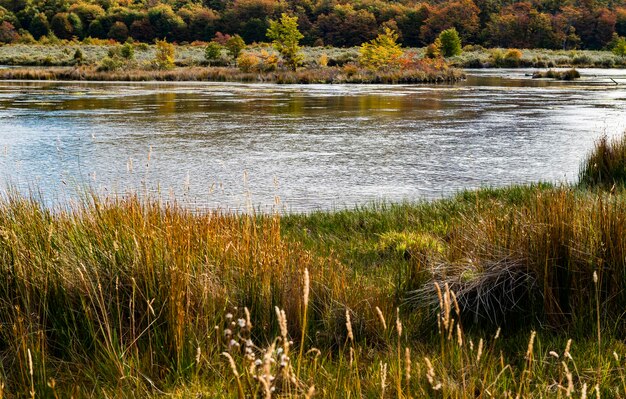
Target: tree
164, 58
234, 45
286, 37
213, 52
8, 34
450, 42
118, 32
381, 52
620, 47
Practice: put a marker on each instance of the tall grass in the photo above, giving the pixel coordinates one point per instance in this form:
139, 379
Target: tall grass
118, 297
606, 164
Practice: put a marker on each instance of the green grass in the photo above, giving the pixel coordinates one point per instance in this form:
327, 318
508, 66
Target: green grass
475, 295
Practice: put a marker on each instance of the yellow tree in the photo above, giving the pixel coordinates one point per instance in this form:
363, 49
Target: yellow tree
381, 52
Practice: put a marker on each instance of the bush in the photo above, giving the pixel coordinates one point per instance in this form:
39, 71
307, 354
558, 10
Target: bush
450, 43
78, 56
513, 57
213, 52
127, 51
619, 48
434, 49
248, 62
110, 64
235, 45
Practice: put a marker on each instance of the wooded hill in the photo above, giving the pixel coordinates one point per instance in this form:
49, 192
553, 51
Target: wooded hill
555, 24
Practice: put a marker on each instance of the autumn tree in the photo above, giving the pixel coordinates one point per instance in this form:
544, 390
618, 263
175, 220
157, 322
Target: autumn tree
381, 52
286, 37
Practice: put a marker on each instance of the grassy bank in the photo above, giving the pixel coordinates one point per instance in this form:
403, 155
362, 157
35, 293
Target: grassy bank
479, 57
346, 74
477, 295
193, 55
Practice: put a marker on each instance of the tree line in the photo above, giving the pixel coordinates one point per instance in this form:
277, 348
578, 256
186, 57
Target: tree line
553, 24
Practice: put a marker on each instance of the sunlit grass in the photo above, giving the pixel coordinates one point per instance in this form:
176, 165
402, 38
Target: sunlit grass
477, 295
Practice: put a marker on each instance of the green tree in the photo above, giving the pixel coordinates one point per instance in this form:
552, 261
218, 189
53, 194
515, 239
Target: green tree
234, 45
450, 42
213, 52
286, 37
381, 52
620, 47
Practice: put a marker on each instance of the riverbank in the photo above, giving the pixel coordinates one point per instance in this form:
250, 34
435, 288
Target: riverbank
474, 295
430, 73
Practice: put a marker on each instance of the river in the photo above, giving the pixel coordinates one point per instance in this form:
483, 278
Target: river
233, 146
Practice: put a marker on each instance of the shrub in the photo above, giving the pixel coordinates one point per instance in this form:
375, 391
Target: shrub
434, 49
513, 57
78, 56
450, 43
109, 64
496, 58
381, 52
165, 53
248, 62
127, 51
235, 45
619, 48
213, 52
323, 60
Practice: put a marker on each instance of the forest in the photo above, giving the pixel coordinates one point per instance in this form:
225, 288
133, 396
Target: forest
550, 24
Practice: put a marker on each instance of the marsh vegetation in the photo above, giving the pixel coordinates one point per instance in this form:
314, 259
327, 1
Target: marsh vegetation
496, 292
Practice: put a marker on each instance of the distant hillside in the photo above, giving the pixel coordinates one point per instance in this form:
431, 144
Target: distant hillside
555, 24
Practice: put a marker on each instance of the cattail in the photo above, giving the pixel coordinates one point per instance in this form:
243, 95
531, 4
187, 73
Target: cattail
457, 309
306, 287
531, 343
616, 356
282, 322
567, 348
248, 322
231, 361
198, 354
597, 388
595, 277
497, 333
381, 317
570, 382
30, 364
459, 335
583, 394
407, 363
398, 323
479, 353
349, 326
438, 289
554, 354
430, 373
383, 378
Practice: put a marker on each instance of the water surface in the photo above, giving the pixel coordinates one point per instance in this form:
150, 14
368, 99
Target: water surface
313, 147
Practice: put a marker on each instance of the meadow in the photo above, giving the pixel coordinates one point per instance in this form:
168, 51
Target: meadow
320, 64
511, 292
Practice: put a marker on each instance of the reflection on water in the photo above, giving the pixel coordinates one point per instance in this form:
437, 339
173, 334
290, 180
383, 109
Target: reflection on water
313, 146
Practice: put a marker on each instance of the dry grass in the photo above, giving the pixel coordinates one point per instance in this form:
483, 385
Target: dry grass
349, 74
